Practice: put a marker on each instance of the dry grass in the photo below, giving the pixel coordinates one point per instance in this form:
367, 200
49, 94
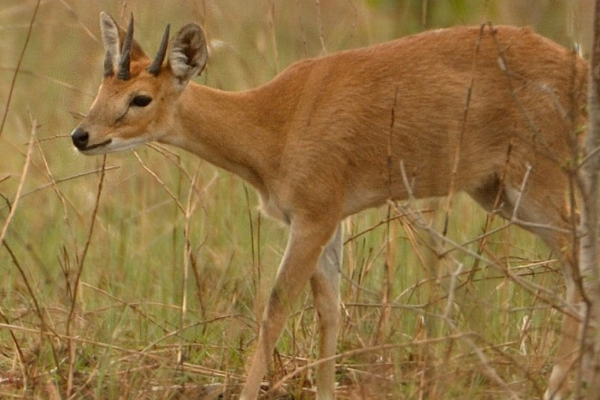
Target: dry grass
141, 275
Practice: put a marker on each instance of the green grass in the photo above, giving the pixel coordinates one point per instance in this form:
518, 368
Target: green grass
113, 324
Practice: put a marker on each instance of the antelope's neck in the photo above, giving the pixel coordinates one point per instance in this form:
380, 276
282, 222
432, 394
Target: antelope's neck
225, 129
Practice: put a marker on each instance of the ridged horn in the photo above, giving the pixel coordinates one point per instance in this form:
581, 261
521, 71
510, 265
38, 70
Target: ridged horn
154, 68
125, 60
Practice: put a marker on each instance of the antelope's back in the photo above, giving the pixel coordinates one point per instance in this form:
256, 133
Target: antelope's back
424, 100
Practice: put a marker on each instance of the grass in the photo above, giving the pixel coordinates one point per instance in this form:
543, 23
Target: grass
146, 280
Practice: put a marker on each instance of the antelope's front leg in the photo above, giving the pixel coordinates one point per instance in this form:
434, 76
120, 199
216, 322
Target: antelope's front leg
325, 284
308, 237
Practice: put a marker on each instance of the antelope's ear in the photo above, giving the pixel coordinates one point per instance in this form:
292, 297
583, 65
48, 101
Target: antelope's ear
120, 46
111, 40
188, 53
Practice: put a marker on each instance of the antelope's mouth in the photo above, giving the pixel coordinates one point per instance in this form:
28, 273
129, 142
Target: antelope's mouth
90, 149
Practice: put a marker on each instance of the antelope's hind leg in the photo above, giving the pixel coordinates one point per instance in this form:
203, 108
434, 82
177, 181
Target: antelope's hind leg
542, 210
546, 210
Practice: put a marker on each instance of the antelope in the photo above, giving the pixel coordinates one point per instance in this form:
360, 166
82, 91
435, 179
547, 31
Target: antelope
471, 109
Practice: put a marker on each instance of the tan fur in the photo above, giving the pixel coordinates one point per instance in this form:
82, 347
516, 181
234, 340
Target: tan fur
326, 138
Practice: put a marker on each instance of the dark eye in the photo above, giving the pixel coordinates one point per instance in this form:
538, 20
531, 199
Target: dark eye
140, 101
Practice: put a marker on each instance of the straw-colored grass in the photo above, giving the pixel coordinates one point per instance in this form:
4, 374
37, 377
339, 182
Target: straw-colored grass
142, 275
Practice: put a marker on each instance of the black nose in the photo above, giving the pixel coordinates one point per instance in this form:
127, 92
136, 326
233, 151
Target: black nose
80, 138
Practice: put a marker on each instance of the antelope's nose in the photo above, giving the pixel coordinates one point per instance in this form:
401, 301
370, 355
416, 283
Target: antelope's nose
80, 138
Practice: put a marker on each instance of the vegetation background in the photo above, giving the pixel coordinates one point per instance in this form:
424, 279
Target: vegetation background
142, 275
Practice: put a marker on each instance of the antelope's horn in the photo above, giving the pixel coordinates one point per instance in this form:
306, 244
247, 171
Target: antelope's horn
125, 60
154, 68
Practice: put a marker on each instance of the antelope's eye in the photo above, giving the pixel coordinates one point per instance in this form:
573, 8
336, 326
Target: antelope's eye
140, 101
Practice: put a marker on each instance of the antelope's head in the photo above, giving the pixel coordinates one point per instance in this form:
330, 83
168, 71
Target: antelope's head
138, 95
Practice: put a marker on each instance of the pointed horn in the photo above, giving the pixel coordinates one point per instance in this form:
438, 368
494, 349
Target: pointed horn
154, 68
125, 60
